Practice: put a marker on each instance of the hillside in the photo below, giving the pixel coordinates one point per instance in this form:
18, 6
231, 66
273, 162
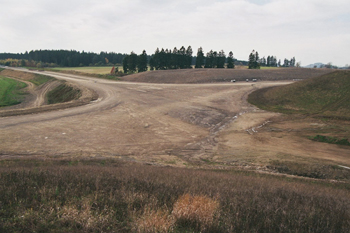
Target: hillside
223, 75
327, 95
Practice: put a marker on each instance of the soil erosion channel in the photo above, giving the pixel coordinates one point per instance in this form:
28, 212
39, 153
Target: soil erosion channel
173, 124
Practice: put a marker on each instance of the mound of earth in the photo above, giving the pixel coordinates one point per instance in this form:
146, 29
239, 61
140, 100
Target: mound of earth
223, 75
327, 95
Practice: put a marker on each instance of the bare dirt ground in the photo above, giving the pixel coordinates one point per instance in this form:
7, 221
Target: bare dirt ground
170, 124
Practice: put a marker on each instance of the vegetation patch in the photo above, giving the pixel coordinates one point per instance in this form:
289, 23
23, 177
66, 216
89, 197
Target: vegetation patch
40, 79
326, 96
11, 91
126, 197
332, 140
63, 93
317, 171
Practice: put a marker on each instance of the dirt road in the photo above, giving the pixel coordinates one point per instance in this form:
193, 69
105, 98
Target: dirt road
174, 124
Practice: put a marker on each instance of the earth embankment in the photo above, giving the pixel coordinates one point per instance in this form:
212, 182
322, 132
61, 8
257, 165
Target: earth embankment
223, 75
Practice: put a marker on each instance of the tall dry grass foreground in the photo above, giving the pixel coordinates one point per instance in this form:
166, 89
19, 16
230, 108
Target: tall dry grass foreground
109, 196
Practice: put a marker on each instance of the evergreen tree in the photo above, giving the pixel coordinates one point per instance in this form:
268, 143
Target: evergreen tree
292, 62
221, 58
125, 64
182, 58
268, 63
256, 63
142, 62
200, 58
174, 59
189, 53
214, 59
209, 59
253, 60
230, 61
132, 62
152, 63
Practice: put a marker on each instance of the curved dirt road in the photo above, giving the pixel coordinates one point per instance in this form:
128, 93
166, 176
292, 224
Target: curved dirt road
173, 124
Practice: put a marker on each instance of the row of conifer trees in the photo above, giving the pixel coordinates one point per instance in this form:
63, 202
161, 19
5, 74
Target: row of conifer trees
182, 58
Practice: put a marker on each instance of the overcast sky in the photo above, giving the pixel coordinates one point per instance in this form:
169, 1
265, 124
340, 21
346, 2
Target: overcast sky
311, 30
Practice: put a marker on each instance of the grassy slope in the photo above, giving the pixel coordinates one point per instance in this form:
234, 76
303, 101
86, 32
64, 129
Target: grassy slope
223, 75
63, 93
327, 95
111, 196
40, 79
10, 91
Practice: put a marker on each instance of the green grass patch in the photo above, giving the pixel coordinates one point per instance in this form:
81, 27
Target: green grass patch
11, 92
331, 140
40, 79
63, 93
327, 95
1, 69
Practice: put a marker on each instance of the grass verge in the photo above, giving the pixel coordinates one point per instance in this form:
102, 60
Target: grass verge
11, 92
114, 196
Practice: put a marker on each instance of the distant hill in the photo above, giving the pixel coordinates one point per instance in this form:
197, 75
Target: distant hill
327, 95
317, 65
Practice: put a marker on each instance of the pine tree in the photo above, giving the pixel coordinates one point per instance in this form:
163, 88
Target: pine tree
230, 61
174, 59
182, 57
208, 59
152, 63
142, 62
156, 59
189, 53
256, 62
221, 58
200, 58
132, 62
253, 60
268, 63
214, 59
125, 64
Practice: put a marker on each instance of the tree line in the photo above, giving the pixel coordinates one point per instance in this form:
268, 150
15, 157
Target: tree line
65, 58
162, 59
166, 59
254, 62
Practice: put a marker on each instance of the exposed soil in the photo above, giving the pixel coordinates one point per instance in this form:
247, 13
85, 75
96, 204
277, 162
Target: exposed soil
223, 75
168, 124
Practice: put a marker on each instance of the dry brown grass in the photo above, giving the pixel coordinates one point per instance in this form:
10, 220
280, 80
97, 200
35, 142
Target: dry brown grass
194, 211
113, 197
198, 210
154, 221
